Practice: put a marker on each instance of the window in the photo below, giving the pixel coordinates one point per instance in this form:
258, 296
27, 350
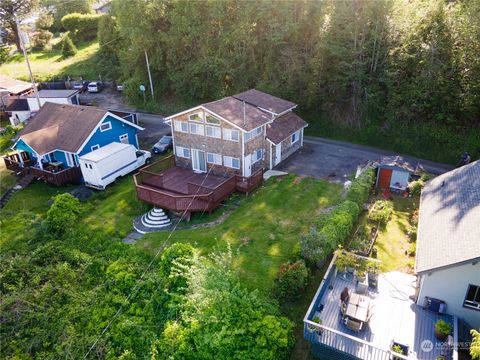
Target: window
196, 117
295, 137
213, 131
181, 126
254, 133
232, 135
231, 162
197, 129
472, 300
106, 126
182, 152
214, 159
212, 119
95, 147
124, 139
257, 155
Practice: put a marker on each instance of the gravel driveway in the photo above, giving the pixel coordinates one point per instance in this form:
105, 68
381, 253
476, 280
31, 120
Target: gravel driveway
336, 160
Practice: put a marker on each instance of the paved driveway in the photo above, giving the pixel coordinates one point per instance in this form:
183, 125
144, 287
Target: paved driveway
336, 160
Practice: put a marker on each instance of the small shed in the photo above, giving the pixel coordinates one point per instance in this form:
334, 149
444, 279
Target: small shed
393, 172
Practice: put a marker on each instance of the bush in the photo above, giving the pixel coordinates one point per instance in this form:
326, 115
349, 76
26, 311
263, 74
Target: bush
41, 39
291, 280
63, 213
475, 345
361, 186
416, 187
82, 27
4, 51
412, 248
68, 48
315, 247
381, 211
340, 223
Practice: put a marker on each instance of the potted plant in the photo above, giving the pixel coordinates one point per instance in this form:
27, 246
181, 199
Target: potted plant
442, 330
440, 358
372, 272
316, 329
398, 348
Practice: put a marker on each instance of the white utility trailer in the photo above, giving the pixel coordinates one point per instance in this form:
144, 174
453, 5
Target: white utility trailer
102, 166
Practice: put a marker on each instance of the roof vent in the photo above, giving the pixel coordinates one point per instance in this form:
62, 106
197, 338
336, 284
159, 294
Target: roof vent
443, 183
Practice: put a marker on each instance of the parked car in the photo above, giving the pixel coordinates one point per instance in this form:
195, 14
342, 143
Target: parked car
163, 145
80, 85
119, 87
95, 87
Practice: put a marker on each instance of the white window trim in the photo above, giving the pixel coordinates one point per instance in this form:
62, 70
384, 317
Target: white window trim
177, 126
253, 133
123, 136
214, 128
210, 123
215, 156
254, 156
109, 123
95, 147
227, 135
180, 152
200, 126
468, 303
228, 162
297, 134
197, 121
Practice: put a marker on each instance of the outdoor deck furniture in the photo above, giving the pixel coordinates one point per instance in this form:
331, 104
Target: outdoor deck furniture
435, 305
357, 311
344, 295
353, 324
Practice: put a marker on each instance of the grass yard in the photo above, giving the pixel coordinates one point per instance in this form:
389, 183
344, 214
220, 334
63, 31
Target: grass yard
7, 178
48, 64
264, 230
392, 241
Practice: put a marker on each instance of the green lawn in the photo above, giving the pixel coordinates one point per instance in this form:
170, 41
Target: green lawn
49, 64
264, 230
393, 241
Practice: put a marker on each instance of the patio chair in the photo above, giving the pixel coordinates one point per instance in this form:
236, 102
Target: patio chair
343, 308
353, 324
344, 295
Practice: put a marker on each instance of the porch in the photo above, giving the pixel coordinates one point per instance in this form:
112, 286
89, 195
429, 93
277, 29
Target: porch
165, 185
56, 174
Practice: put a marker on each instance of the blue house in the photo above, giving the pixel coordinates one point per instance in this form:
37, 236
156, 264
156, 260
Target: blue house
50, 144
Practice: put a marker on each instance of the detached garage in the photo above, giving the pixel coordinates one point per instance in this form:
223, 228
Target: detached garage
393, 172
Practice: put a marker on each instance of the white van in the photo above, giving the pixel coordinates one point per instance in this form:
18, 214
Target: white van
104, 165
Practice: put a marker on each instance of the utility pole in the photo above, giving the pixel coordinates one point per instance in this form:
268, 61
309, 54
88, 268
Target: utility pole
149, 74
22, 45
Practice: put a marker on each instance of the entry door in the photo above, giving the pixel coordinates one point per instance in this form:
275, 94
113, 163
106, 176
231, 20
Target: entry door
248, 165
384, 178
278, 153
198, 160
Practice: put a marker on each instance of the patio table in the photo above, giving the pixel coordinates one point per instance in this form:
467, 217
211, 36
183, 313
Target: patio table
358, 307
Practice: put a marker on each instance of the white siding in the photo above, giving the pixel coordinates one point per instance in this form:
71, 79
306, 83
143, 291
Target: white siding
33, 104
450, 285
401, 177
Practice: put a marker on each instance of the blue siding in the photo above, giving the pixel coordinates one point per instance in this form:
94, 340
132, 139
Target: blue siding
112, 135
22, 146
60, 156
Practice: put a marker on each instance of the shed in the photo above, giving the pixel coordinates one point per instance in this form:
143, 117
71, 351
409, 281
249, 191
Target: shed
393, 172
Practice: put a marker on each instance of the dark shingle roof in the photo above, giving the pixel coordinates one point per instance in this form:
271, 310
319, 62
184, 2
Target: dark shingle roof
449, 224
17, 105
265, 101
232, 110
284, 126
60, 126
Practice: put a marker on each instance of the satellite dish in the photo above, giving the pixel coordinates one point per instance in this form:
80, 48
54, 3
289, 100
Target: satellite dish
142, 88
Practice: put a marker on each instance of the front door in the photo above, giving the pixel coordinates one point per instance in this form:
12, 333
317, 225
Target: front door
248, 165
278, 153
198, 160
384, 178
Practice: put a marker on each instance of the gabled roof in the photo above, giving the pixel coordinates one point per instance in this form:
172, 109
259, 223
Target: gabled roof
449, 223
243, 115
55, 93
63, 127
265, 101
17, 105
14, 86
397, 161
284, 126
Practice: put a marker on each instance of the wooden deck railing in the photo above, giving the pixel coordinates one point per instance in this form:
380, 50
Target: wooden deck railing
248, 184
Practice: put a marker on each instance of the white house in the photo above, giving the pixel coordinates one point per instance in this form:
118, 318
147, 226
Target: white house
55, 96
18, 110
448, 245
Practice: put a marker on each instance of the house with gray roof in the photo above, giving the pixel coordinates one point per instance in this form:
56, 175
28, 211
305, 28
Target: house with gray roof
448, 243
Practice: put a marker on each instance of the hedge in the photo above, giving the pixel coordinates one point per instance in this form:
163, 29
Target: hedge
361, 186
82, 27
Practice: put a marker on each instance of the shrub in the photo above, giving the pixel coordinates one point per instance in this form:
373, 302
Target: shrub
82, 27
381, 211
315, 247
361, 186
41, 38
63, 213
475, 345
340, 222
416, 187
412, 248
442, 327
4, 51
291, 280
68, 48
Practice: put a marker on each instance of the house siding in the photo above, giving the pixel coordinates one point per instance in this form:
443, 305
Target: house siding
22, 146
207, 144
112, 135
458, 278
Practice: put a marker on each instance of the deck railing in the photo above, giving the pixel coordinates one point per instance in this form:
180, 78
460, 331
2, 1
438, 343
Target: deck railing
250, 183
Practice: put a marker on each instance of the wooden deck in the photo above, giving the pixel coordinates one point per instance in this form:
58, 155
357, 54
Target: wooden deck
395, 317
178, 189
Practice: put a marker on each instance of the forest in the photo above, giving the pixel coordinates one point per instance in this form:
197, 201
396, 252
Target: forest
398, 74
